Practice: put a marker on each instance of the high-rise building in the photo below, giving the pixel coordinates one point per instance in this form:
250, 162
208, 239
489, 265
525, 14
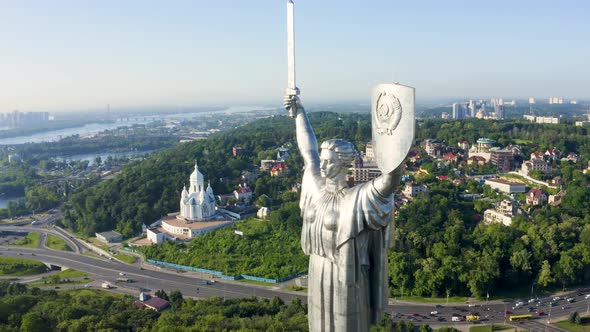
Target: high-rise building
458, 111
496, 101
531, 100
18, 119
499, 111
472, 108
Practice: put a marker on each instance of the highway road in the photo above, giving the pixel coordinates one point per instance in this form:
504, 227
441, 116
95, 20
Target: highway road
146, 278
194, 284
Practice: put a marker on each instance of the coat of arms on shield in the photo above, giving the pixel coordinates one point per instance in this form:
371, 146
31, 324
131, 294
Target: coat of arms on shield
393, 122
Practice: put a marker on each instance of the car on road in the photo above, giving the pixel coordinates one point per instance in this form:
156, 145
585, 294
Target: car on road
571, 299
553, 303
586, 297
121, 273
508, 312
440, 319
438, 306
565, 307
472, 305
540, 313
557, 298
434, 313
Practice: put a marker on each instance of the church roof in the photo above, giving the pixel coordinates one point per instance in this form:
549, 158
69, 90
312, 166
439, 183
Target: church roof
196, 176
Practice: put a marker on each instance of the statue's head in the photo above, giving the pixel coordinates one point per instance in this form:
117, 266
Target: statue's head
335, 157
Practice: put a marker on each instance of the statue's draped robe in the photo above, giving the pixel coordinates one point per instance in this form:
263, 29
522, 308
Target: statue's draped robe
346, 235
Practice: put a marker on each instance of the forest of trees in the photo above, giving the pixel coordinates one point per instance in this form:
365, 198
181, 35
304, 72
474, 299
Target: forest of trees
268, 249
32, 310
441, 246
146, 191
532, 136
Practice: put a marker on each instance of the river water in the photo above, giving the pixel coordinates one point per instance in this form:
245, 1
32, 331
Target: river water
4, 201
90, 157
95, 128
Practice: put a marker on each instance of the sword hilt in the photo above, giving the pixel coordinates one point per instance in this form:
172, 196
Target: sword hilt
292, 93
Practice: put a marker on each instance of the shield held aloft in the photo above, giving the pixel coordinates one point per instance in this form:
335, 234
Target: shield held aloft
393, 122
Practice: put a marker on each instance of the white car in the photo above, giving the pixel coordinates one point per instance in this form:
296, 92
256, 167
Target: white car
557, 298
587, 296
434, 313
121, 273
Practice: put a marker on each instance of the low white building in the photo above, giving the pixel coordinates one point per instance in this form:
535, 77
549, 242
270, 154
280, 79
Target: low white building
493, 216
155, 236
243, 193
180, 229
263, 213
503, 213
109, 237
535, 165
509, 187
412, 190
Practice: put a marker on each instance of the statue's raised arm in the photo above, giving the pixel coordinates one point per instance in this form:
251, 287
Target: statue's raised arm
306, 140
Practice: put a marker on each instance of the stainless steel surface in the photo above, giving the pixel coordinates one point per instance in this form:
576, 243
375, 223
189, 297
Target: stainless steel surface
345, 230
393, 119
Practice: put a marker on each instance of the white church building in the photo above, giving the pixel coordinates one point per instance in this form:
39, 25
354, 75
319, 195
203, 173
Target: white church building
197, 203
198, 214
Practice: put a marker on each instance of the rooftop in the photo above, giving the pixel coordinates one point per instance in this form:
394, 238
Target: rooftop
504, 181
156, 303
173, 221
155, 230
109, 234
484, 140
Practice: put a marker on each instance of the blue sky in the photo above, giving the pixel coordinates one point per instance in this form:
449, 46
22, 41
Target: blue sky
83, 54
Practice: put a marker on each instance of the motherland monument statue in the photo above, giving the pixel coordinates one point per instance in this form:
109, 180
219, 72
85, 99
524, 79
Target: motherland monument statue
346, 231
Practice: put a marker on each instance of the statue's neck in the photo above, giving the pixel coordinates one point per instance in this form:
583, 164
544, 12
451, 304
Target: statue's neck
336, 184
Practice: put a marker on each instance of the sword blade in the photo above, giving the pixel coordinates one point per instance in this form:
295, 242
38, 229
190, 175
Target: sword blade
291, 46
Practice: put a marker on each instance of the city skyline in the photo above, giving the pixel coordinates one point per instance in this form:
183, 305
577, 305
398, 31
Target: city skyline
71, 56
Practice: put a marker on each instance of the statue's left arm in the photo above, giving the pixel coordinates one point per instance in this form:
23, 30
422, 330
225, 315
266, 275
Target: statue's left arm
387, 183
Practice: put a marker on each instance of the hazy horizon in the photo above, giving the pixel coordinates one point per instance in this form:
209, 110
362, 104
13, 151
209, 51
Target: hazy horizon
71, 56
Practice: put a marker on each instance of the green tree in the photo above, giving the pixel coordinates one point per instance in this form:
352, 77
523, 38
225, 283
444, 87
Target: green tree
263, 200
425, 328
176, 299
33, 322
545, 277
162, 294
